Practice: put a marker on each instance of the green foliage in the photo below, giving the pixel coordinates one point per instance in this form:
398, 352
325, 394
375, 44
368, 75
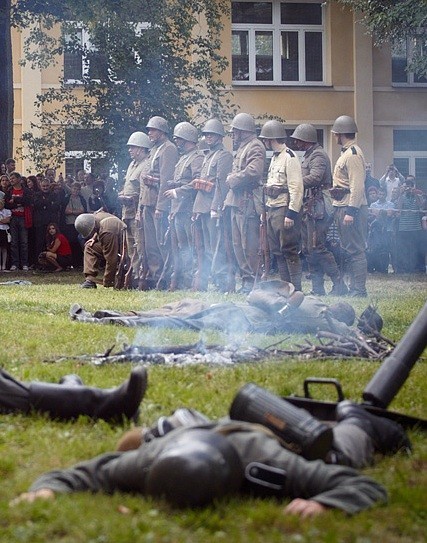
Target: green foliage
36, 329
144, 58
389, 20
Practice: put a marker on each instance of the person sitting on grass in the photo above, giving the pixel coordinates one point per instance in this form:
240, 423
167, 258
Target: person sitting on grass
58, 254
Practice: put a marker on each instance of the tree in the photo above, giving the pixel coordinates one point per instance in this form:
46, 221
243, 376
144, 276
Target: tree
6, 83
389, 20
144, 58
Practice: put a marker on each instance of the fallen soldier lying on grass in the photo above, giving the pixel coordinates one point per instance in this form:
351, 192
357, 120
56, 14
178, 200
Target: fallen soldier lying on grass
191, 461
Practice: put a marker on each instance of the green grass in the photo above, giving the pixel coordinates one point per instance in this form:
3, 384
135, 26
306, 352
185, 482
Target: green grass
36, 329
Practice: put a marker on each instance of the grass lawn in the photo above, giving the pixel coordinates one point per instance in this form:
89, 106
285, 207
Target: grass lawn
36, 329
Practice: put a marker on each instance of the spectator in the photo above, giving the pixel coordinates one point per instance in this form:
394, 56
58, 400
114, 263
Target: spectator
370, 181
19, 200
87, 188
4, 183
58, 251
46, 211
73, 205
391, 179
5, 215
10, 166
97, 200
33, 186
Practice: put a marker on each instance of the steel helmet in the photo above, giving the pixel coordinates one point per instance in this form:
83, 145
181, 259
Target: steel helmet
186, 131
273, 130
305, 132
343, 312
159, 123
244, 121
140, 139
344, 125
85, 224
197, 467
213, 126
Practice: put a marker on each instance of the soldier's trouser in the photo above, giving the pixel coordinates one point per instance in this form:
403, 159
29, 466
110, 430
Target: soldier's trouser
245, 235
204, 238
183, 258
132, 235
153, 255
285, 243
353, 241
224, 263
105, 248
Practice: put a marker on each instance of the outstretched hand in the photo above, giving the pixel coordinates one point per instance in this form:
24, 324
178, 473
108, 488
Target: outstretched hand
305, 508
30, 497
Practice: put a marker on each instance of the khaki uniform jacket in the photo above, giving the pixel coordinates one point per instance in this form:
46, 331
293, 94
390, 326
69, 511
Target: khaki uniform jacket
188, 168
148, 194
350, 173
106, 222
163, 161
247, 171
332, 486
216, 166
131, 189
316, 168
285, 172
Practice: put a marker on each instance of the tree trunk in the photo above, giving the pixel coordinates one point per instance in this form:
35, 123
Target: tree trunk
6, 82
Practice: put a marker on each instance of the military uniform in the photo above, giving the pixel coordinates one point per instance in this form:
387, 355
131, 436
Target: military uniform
244, 182
104, 245
187, 168
269, 468
350, 199
216, 166
284, 190
317, 218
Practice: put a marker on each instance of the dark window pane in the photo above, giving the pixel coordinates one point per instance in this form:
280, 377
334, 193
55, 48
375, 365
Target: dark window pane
290, 56
421, 169
399, 62
98, 67
72, 66
410, 140
73, 165
313, 56
99, 165
264, 56
252, 12
85, 139
301, 14
420, 52
240, 56
402, 164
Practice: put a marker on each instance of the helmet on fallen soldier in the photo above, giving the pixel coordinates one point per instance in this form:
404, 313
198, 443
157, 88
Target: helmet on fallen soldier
343, 312
199, 466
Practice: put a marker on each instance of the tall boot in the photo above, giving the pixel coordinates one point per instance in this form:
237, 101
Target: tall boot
316, 275
69, 402
283, 269
295, 270
359, 272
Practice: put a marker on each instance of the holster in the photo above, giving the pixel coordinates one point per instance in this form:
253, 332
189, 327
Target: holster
338, 193
274, 192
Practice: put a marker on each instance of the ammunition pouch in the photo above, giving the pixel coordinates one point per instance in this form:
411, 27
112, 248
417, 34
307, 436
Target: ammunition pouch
314, 205
203, 184
274, 192
338, 193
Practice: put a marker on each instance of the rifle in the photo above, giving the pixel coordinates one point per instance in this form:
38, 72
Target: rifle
385, 383
264, 249
123, 267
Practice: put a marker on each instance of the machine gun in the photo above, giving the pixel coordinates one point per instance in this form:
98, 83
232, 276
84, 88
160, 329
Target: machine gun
383, 386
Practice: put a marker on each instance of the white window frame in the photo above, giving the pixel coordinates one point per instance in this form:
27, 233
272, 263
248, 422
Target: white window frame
410, 76
277, 28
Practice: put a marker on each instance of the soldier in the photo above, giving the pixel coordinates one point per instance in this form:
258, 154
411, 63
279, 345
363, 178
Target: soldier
70, 398
181, 192
317, 211
103, 232
284, 191
138, 145
191, 461
207, 209
163, 157
244, 189
349, 201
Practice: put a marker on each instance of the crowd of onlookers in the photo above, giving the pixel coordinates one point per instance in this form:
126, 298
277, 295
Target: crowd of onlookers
37, 215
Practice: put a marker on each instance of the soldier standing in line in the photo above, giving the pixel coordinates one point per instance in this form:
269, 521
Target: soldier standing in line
182, 193
317, 211
284, 191
207, 209
349, 201
138, 145
164, 156
244, 183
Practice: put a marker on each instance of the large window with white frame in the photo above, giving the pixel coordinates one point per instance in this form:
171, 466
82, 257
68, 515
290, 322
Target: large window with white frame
81, 59
85, 149
278, 43
403, 53
410, 153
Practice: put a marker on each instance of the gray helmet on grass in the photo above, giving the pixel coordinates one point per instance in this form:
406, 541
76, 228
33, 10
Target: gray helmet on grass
186, 131
273, 130
85, 224
344, 125
140, 139
196, 468
214, 126
244, 121
305, 132
159, 123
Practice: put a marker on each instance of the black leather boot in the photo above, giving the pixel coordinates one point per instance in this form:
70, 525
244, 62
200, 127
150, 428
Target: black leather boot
69, 402
388, 436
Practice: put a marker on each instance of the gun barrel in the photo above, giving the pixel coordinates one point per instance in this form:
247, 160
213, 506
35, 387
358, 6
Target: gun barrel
395, 369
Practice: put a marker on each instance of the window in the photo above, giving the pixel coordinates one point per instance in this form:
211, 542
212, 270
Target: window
85, 150
403, 53
410, 154
277, 42
81, 59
